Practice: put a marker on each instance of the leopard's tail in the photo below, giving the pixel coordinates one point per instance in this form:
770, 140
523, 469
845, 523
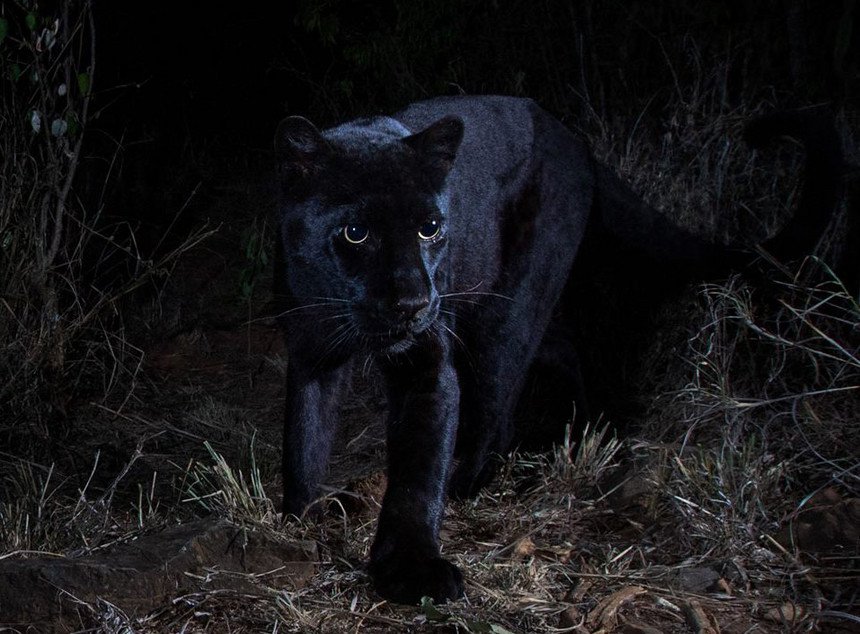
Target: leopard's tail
622, 214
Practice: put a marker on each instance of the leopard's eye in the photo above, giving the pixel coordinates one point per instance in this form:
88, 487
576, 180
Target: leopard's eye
429, 229
355, 234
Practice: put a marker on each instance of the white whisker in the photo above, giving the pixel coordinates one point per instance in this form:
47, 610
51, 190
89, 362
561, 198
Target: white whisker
475, 294
328, 299
298, 308
366, 366
336, 316
339, 336
453, 334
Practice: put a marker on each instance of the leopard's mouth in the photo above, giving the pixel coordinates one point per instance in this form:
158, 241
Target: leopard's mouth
398, 336
390, 336
396, 347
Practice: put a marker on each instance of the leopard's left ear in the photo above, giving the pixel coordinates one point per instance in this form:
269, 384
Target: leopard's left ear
299, 147
438, 144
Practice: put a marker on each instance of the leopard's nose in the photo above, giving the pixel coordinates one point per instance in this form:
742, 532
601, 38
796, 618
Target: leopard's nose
410, 307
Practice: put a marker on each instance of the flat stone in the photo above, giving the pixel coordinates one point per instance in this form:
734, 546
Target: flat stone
697, 580
143, 574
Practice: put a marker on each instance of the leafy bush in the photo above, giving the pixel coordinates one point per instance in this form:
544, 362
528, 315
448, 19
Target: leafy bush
61, 333
47, 62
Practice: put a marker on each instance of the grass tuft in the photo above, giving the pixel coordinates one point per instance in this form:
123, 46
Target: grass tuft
227, 492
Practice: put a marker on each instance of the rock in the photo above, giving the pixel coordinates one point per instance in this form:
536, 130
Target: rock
629, 492
826, 524
143, 574
696, 580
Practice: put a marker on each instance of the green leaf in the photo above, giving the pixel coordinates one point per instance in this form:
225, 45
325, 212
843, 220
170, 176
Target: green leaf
4, 29
15, 72
31, 21
74, 127
431, 611
84, 83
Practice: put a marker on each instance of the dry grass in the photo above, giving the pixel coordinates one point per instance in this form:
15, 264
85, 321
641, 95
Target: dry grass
686, 156
225, 492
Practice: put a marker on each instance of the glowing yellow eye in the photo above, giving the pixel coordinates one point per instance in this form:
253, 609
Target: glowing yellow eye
429, 229
355, 234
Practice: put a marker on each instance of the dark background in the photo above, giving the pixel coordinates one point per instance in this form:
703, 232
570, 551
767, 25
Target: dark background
186, 93
198, 71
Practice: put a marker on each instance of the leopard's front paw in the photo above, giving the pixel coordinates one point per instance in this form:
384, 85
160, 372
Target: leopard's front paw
405, 579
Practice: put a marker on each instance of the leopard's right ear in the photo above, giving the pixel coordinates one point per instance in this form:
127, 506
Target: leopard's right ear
437, 145
299, 146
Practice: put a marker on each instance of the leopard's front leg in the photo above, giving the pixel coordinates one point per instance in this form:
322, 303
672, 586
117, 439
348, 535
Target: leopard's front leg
424, 394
